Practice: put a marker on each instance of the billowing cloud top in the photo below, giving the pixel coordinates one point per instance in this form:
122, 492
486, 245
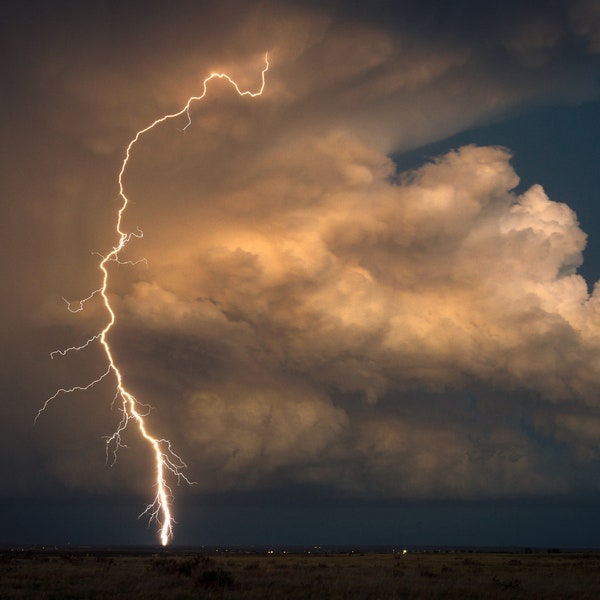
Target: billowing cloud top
309, 315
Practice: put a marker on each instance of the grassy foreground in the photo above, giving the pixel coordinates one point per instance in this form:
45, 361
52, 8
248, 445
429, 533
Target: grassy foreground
87, 575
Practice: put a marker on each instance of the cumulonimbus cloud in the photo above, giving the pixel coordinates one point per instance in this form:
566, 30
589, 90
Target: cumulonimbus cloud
310, 311
359, 283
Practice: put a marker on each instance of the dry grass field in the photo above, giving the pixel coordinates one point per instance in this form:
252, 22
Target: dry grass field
80, 575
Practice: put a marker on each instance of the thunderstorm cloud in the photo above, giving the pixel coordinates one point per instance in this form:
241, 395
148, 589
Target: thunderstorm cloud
309, 314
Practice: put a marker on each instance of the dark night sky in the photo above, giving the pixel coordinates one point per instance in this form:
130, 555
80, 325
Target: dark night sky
368, 314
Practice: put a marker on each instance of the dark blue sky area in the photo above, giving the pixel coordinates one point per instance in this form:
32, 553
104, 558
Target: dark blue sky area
244, 521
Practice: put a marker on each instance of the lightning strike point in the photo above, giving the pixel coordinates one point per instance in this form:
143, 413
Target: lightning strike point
167, 463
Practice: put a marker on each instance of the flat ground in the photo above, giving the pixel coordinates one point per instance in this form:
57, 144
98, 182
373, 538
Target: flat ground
63, 575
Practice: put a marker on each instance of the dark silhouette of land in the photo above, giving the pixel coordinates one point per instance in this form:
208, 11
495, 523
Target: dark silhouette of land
316, 572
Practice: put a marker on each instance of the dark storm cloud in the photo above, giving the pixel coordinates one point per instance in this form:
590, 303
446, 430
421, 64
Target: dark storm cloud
307, 315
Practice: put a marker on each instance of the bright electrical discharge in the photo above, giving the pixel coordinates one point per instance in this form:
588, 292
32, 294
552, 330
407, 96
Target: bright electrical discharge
165, 459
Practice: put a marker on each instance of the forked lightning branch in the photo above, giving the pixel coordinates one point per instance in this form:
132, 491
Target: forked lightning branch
168, 465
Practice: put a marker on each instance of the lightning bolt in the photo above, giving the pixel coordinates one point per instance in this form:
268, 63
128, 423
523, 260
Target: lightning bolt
167, 463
